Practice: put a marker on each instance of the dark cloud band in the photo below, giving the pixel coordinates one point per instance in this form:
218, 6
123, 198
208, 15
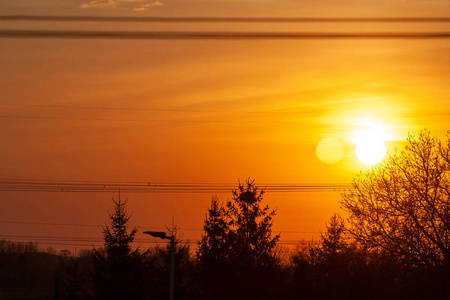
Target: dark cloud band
220, 19
180, 35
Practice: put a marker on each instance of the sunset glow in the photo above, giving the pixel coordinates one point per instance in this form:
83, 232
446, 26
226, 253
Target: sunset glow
215, 108
257, 149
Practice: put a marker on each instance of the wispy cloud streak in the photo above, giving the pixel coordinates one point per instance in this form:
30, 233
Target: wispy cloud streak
136, 5
211, 19
99, 4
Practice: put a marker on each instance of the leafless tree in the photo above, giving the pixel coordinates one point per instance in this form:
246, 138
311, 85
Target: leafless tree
402, 205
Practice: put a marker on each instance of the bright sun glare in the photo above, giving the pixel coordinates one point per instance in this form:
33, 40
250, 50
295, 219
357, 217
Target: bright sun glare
370, 147
370, 150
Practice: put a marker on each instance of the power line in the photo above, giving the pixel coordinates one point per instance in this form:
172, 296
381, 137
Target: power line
191, 35
127, 108
49, 224
100, 245
143, 227
125, 120
98, 240
82, 225
14, 185
134, 109
48, 18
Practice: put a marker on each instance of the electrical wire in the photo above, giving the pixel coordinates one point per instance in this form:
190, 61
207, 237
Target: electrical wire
129, 108
47, 18
18, 185
125, 120
99, 241
143, 227
191, 35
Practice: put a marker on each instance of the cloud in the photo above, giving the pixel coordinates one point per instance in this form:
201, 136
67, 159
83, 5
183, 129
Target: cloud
148, 6
99, 3
136, 5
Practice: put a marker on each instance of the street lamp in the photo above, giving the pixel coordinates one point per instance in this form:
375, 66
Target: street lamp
163, 235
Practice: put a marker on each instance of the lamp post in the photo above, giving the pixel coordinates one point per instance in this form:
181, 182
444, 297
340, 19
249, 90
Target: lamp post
163, 235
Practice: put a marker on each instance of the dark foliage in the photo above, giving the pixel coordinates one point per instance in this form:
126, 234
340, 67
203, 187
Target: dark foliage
402, 206
118, 271
74, 276
237, 253
26, 272
338, 268
157, 261
401, 209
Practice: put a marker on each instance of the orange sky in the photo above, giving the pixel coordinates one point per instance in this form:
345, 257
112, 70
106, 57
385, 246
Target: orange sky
206, 111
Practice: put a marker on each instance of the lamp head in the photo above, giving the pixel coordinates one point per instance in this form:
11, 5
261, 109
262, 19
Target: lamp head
159, 234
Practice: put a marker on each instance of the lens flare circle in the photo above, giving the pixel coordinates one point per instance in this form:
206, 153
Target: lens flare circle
330, 150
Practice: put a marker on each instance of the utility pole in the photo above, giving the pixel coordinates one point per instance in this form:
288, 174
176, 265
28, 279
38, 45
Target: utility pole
163, 235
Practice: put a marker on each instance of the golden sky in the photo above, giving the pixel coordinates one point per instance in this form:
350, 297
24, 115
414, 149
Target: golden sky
206, 110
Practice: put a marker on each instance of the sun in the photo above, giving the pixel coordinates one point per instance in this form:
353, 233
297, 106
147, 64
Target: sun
370, 140
370, 149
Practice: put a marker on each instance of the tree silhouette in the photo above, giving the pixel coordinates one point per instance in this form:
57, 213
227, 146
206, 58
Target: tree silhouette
335, 265
118, 269
402, 205
74, 276
250, 235
333, 241
241, 232
213, 251
213, 246
237, 249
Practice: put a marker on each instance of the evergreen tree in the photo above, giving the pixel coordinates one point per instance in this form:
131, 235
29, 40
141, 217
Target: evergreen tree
333, 241
237, 252
250, 235
212, 250
75, 275
212, 247
118, 269
336, 265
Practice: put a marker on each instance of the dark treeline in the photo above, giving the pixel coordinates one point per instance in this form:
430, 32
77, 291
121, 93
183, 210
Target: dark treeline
395, 244
328, 270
